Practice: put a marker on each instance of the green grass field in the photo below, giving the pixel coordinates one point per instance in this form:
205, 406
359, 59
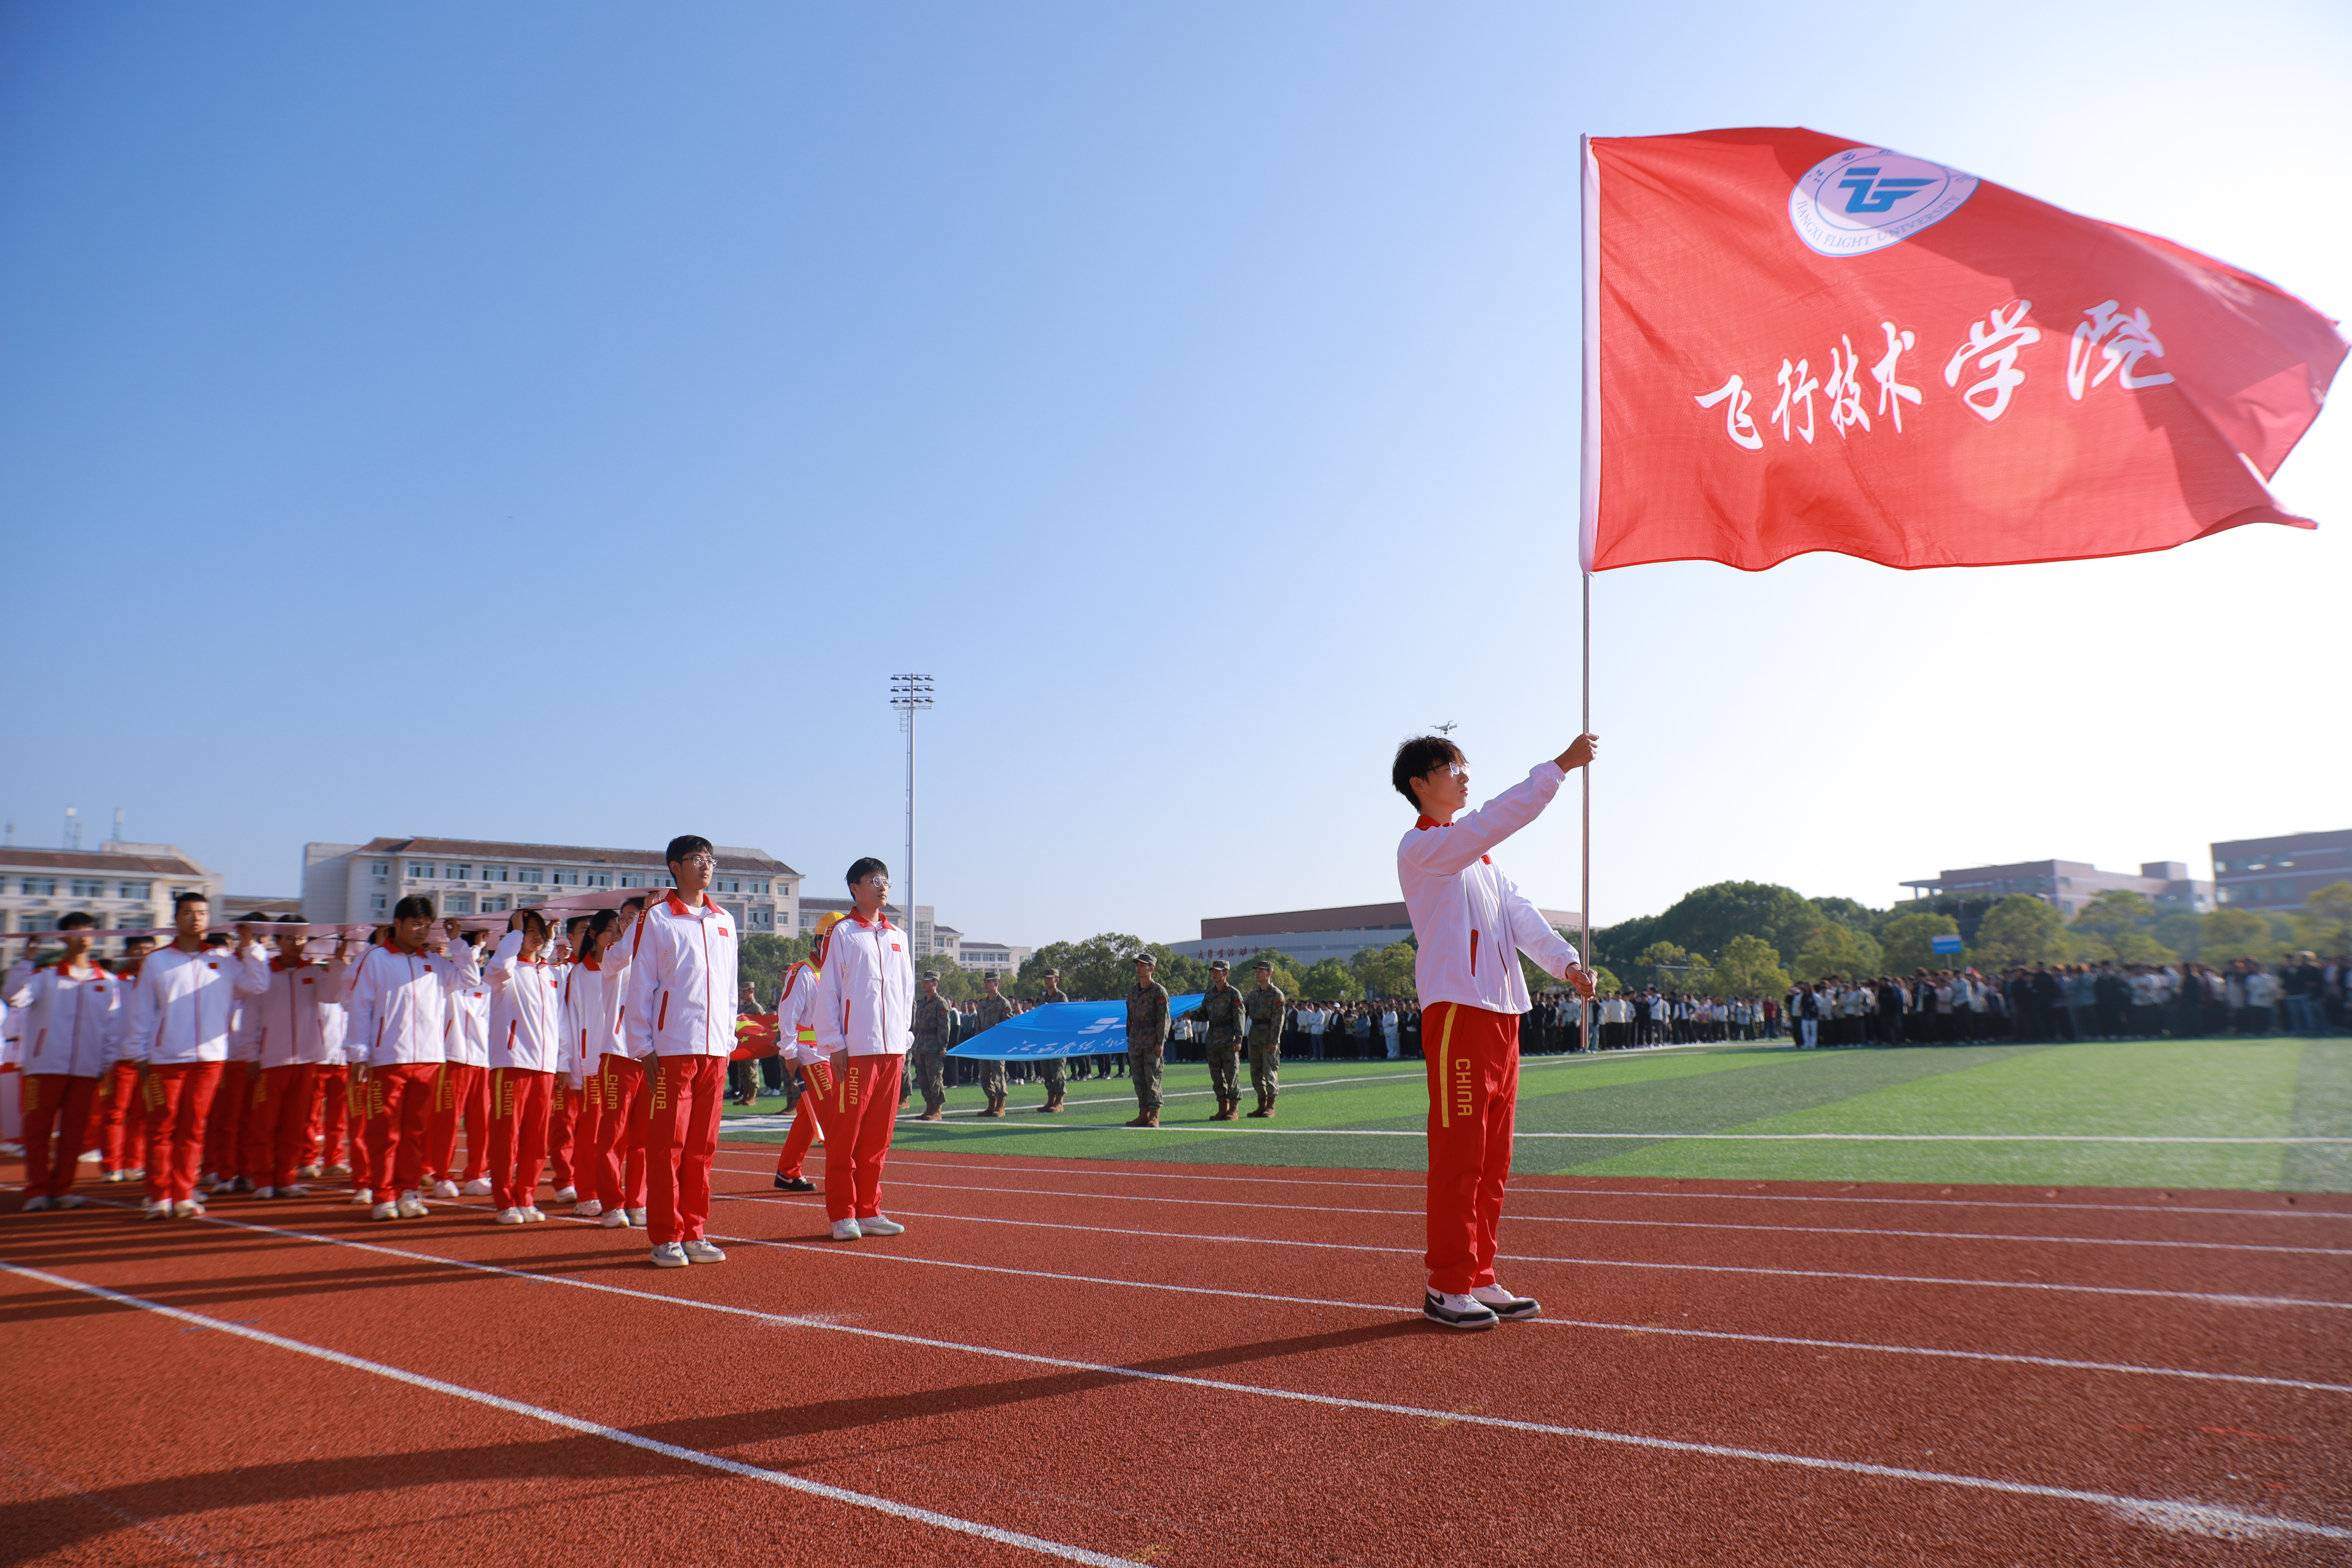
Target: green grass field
2082, 1115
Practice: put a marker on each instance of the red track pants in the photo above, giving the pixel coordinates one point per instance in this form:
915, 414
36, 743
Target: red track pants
562, 1124
224, 1153
399, 1109
329, 1117
359, 1097
616, 1151
179, 1103
1473, 1091
519, 1100
462, 1093
276, 1125
55, 1101
122, 1119
681, 1140
587, 1126
798, 1141
860, 1114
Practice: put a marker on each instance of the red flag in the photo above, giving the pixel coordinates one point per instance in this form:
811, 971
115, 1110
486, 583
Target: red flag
1804, 344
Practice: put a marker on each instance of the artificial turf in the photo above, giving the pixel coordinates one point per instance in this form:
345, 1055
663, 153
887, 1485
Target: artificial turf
1633, 1114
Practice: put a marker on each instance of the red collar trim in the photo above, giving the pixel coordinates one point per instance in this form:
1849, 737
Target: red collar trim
590, 963
678, 906
278, 965
1426, 823
881, 920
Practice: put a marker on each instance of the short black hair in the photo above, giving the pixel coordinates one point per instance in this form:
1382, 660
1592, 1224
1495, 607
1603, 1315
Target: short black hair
686, 844
189, 896
291, 921
865, 867
533, 918
409, 908
77, 920
1418, 758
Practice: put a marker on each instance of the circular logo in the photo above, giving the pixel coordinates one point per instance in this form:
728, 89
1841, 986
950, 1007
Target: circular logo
1867, 198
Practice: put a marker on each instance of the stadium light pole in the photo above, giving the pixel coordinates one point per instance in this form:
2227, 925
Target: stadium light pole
910, 695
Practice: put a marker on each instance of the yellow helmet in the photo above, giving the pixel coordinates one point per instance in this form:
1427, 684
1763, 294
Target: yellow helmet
825, 923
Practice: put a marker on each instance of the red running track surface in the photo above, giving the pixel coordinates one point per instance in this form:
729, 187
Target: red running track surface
1067, 1361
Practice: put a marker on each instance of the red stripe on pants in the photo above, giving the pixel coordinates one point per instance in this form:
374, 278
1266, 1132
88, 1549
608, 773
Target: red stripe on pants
58, 1101
359, 1100
1474, 1089
519, 1098
462, 1094
861, 1114
562, 1123
681, 1139
616, 1158
329, 1121
179, 1102
400, 1105
279, 1129
798, 1140
122, 1119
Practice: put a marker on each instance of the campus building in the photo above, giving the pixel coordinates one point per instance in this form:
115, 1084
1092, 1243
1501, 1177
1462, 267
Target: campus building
2068, 885
2281, 873
1310, 936
123, 886
349, 883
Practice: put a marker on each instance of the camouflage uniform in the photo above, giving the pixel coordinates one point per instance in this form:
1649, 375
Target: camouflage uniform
930, 1052
987, 1012
1264, 1003
1147, 1036
1058, 1069
1221, 1009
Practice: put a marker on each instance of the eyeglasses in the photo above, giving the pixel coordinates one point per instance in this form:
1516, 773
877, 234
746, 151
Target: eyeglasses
877, 881
705, 861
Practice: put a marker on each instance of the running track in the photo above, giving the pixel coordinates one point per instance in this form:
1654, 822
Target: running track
1063, 1361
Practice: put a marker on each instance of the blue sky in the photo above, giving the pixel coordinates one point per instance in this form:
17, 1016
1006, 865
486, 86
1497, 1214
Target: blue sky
558, 422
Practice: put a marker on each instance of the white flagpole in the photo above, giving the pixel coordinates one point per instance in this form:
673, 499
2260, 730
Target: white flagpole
1588, 518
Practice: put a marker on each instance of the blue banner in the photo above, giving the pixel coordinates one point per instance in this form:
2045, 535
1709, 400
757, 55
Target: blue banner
1061, 1030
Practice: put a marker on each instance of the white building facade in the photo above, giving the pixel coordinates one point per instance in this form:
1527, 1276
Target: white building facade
352, 883
123, 886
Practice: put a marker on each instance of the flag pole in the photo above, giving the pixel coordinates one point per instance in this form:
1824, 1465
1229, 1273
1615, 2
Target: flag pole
1588, 519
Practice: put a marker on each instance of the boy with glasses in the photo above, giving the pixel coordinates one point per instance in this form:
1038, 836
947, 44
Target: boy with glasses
680, 1023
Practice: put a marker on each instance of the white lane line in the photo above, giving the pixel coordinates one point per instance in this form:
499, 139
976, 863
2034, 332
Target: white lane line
2153, 1512
1664, 1224
1631, 1263
591, 1429
1521, 1189
994, 1126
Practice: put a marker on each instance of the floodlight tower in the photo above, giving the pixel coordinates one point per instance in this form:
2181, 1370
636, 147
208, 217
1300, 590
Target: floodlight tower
910, 695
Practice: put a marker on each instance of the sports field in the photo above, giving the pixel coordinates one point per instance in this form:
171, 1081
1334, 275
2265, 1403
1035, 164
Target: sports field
2075, 1305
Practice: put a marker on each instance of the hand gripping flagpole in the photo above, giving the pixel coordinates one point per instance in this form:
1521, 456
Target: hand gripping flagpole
1587, 522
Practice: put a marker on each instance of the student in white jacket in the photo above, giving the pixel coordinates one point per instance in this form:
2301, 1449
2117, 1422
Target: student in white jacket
526, 1049
462, 1093
288, 1024
1471, 923
583, 1018
181, 1015
72, 1021
865, 1019
399, 1005
616, 1157
680, 1022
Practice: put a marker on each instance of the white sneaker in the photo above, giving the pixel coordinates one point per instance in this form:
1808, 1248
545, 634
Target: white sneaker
506, 1217
588, 1210
36, 1204
361, 1195
116, 1176
1456, 1311
615, 1219
92, 1156
638, 1218
297, 1191
846, 1230
479, 1187
188, 1208
567, 1195
698, 1250
1503, 1304
384, 1211
530, 1211
338, 1171
155, 1208
412, 1206
670, 1255
264, 1192
309, 1172
71, 1201
444, 1188
880, 1225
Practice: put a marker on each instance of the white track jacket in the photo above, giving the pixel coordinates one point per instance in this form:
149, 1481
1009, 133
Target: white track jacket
399, 1003
1472, 922
586, 1021
288, 1021
682, 990
864, 999
526, 1009
186, 1003
468, 1044
72, 1022
796, 1015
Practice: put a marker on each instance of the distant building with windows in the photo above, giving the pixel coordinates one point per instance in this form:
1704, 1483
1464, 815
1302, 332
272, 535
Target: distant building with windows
351, 883
123, 886
1000, 959
2068, 885
1310, 936
2280, 873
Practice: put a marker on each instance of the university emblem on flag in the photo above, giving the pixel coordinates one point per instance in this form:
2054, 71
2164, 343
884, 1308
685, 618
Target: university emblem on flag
1867, 198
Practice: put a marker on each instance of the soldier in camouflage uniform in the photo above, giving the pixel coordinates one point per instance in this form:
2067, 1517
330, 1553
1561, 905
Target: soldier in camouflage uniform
1221, 1009
1056, 1068
1147, 1038
932, 1024
987, 1012
1264, 1006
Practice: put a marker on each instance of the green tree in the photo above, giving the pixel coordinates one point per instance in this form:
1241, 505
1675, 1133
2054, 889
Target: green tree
1385, 971
1750, 968
2112, 913
1908, 941
2327, 919
2236, 934
1101, 969
2021, 929
2180, 930
1604, 984
1834, 949
1662, 965
763, 960
1706, 919
1328, 979
1861, 917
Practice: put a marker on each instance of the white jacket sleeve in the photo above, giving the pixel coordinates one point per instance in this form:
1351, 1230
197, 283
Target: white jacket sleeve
1533, 935
825, 1007
500, 971
139, 1034
359, 1009
637, 1012
1442, 851
18, 989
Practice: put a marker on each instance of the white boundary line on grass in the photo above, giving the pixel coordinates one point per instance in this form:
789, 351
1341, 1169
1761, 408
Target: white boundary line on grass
2159, 1513
1239, 1132
596, 1429
1664, 1224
